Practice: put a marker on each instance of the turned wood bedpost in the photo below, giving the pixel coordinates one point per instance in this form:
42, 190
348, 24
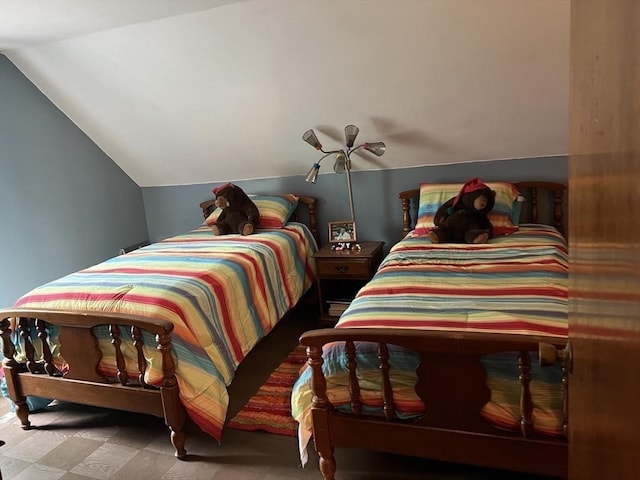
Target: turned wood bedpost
49, 366
558, 212
549, 355
354, 386
11, 369
313, 221
320, 410
526, 405
136, 334
387, 392
121, 368
533, 200
406, 215
8, 348
174, 413
23, 328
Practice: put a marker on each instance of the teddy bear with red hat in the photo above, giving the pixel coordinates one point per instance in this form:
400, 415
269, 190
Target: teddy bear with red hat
464, 218
239, 213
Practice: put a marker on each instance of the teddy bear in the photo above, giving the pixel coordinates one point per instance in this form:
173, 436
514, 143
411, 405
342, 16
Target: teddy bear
463, 218
239, 213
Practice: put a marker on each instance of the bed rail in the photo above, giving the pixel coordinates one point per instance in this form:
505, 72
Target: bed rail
451, 383
78, 378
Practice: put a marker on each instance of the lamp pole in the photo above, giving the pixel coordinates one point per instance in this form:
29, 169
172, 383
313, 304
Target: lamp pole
348, 171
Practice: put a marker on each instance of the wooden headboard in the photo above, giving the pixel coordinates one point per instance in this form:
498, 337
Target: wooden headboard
309, 217
544, 203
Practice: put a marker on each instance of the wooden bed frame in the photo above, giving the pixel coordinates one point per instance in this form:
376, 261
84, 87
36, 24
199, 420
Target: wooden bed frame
452, 430
82, 383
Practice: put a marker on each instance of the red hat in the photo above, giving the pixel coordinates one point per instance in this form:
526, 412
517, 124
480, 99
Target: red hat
471, 186
222, 187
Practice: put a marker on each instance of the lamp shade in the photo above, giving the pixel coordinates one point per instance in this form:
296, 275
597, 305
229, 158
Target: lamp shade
340, 165
377, 148
350, 134
310, 137
312, 176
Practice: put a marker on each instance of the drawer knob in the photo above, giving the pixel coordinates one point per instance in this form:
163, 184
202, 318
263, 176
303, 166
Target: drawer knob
342, 268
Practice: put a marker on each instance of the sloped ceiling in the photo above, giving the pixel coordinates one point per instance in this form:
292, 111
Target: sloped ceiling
200, 91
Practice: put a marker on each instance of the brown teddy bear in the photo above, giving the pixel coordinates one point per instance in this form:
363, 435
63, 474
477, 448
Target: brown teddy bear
463, 218
239, 213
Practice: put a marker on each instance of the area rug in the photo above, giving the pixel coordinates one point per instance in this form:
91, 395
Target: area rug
270, 408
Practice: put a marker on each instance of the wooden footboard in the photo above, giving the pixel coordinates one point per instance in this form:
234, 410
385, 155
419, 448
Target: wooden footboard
451, 383
80, 380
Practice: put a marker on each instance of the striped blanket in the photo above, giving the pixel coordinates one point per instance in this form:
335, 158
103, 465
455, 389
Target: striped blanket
222, 294
514, 284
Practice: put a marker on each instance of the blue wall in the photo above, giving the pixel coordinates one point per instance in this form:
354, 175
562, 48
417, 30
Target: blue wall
171, 210
64, 205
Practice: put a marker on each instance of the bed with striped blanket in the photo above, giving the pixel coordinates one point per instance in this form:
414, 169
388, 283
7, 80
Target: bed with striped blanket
440, 352
194, 305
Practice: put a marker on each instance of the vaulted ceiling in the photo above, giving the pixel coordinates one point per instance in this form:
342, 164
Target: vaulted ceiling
199, 91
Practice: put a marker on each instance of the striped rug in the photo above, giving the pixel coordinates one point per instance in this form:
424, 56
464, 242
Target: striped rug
270, 408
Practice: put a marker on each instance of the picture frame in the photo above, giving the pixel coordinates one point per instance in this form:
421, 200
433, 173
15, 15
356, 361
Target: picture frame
341, 233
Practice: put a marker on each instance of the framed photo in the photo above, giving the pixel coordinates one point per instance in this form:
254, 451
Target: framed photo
342, 232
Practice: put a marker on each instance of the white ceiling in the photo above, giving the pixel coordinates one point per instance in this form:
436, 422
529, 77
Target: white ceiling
197, 91
25, 23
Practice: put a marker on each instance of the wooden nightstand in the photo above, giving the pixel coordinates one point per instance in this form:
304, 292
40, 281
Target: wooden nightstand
341, 274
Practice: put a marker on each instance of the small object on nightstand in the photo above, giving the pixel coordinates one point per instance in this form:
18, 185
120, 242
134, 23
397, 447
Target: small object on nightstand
345, 246
341, 274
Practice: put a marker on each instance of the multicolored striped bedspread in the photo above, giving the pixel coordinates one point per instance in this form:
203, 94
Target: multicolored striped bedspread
222, 294
514, 284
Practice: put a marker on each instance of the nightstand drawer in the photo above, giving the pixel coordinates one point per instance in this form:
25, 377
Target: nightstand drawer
344, 268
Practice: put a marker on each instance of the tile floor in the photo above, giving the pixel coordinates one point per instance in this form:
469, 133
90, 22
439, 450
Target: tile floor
73, 442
